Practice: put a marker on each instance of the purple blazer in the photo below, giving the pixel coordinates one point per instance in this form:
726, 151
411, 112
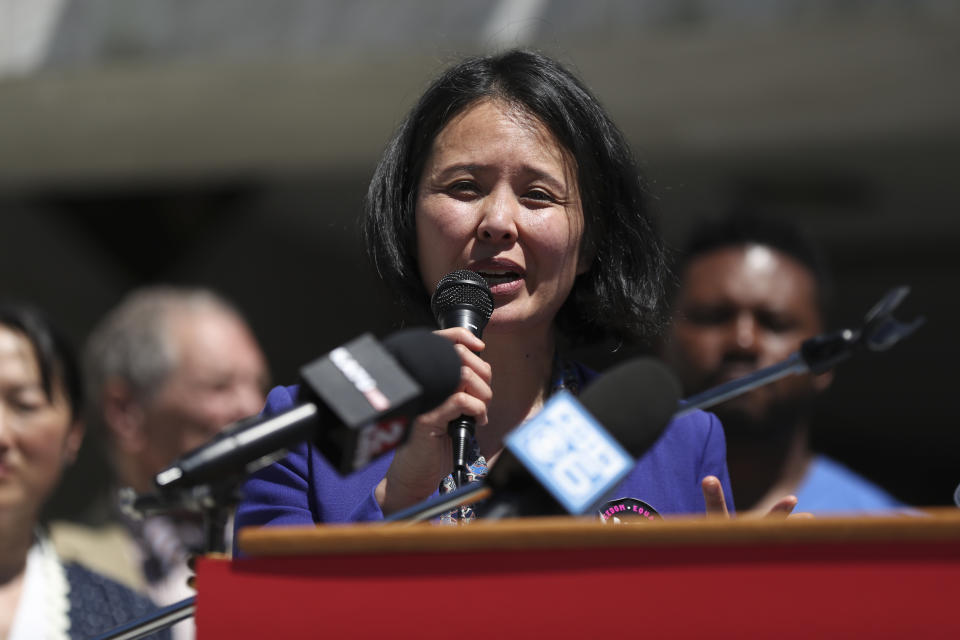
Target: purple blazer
303, 487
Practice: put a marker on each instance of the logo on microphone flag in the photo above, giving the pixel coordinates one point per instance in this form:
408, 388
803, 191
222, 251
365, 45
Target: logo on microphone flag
363, 381
570, 453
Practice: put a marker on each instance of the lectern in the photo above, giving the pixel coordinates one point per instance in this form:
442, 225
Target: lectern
890, 576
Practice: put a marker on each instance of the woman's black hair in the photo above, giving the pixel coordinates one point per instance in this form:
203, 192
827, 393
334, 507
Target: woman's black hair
620, 296
55, 357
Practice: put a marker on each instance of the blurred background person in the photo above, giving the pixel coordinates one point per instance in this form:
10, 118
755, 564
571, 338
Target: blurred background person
751, 289
41, 428
167, 369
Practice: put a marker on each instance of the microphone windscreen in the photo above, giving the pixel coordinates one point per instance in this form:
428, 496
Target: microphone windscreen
430, 360
634, 401
459, 289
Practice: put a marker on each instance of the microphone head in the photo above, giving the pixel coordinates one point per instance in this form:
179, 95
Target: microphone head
458, 292
430, 360
634, 401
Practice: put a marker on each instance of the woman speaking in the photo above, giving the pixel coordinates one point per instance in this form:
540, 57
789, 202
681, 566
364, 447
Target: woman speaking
507, 166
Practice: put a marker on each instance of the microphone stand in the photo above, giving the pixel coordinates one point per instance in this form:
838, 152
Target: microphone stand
715, 395
216, 502
878, 332
463, 495
153, 622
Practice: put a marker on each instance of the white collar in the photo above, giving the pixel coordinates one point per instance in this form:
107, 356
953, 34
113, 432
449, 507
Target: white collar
43, 608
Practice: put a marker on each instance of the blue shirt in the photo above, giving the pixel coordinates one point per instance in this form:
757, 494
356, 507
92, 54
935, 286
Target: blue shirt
831, 487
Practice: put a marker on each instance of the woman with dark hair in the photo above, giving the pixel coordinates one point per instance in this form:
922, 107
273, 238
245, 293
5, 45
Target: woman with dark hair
620, 294
509, 167
41, 401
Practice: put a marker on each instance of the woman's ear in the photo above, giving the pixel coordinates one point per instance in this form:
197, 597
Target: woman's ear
586, 256
123, 416
73, 441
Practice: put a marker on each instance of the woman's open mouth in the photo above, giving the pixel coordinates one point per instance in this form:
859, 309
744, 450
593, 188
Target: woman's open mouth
494, 278
501, 280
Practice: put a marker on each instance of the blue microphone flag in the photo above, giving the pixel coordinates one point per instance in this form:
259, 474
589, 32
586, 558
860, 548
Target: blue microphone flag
570, 453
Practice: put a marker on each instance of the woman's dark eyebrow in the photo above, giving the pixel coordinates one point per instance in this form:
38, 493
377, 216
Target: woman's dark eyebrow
476, 167
456, 168
548, 178
27, 386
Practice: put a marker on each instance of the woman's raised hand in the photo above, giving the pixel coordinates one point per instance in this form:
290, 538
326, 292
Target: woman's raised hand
716, 504
426, 457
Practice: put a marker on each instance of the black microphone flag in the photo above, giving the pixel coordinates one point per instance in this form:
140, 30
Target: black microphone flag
355, 404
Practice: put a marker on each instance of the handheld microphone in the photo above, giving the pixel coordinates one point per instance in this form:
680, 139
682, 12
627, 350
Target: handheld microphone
562, 460
462, 299
356, 404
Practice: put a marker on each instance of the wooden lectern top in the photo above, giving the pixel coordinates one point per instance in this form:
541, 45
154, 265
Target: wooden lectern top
932, 525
